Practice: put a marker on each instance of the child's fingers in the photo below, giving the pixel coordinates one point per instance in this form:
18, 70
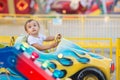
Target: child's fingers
57, 38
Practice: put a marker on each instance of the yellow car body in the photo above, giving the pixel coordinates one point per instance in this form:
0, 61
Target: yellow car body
75, 63
102, 65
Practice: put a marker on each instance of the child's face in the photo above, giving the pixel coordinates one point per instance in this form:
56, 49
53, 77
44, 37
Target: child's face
32, 28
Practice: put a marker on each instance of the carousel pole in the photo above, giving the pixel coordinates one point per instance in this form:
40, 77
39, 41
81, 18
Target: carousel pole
104, 6
11, 7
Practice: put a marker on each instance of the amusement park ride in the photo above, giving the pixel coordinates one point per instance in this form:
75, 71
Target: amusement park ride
68, 61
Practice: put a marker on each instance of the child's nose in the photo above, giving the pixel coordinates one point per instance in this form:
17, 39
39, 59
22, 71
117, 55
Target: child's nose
33, 27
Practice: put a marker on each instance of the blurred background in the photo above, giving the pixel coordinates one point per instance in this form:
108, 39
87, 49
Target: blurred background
89, 7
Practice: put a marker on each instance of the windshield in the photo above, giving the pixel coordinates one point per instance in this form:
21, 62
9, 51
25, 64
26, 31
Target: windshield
69, 45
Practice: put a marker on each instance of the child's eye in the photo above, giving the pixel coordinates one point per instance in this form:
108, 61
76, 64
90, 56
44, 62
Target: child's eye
34, 25
29, 26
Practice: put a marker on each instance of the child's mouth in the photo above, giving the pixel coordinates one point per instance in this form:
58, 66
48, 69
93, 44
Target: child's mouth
34, 30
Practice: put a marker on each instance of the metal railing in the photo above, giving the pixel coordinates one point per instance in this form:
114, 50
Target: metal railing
118, 59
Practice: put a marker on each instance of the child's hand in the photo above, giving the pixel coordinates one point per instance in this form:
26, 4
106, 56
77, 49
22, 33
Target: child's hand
57, 40
58, 37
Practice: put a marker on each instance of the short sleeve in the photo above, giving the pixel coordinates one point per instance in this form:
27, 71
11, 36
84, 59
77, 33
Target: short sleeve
43, 37
31, 40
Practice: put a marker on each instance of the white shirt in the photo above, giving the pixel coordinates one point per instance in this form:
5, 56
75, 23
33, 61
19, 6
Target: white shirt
39, 40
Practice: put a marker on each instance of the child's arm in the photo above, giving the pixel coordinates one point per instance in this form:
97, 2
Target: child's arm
50, 38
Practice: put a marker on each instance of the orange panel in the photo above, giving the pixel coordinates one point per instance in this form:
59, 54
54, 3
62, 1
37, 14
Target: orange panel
3, 6
22, 6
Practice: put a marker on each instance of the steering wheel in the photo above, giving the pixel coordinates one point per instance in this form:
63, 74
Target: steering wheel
58, 38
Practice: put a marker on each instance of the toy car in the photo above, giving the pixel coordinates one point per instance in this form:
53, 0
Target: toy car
71, 61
